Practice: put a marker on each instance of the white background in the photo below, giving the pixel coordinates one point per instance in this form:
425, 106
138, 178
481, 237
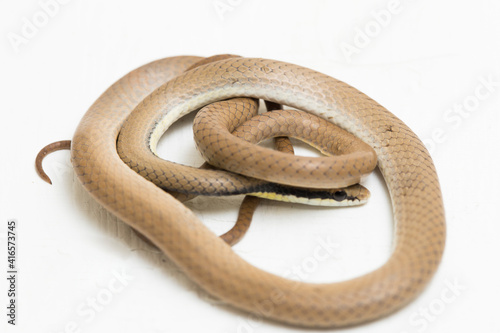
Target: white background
427, 58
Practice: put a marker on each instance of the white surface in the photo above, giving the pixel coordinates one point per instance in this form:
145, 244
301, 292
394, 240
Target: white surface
429, 57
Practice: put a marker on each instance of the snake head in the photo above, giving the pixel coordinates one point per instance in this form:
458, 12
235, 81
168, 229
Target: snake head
353, 195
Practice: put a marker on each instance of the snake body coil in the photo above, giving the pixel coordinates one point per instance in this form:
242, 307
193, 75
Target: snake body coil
407, 168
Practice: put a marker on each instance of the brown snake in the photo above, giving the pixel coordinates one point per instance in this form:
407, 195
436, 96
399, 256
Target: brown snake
407, 168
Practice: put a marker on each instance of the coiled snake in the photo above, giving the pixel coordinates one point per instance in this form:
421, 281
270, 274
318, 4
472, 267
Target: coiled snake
406, 165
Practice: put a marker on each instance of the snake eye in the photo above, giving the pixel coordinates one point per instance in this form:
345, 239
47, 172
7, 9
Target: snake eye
339, 195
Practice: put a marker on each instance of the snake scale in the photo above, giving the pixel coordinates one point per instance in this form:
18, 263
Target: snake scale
160, 93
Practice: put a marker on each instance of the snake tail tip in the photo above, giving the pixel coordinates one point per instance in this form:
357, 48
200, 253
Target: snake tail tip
41, 173
50, 148
47, 179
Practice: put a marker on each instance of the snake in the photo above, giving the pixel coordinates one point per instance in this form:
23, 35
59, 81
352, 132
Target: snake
160, 92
